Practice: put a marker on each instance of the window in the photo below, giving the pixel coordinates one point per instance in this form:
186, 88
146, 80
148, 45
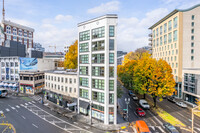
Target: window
176, 65
98, 32
74, 90
74, 80
169, 25
175, 36
157, 42
192, 24
192, 51
192, 58
25, 33
111, 98
83, 70
111, 58
70, 80
83, 93
165, 27
175, 22
111, 31
84, 59
175, 58
20, 32
154, 33
160, 40
111, 85
70, 89
157, 32
62, 80
98, 84
83, 82
160, 30
192, 31
111, 71
111, 44
192, 44
165, 39
192, 17
85, 35
83, 47
98, 58
192, 37
97, 71
170, 37
30, 35
98, 96
55, 78
65, 80
65, 89
98, 45
8, 29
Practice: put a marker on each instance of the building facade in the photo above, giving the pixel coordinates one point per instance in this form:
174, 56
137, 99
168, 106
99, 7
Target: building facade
97, 68
31, 82
62, 88
16, 32
173, 39
38, 47
120, 60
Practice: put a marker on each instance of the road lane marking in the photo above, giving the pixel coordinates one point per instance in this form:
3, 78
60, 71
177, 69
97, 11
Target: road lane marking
17, 106
26, 104
7, 110
23, 117
160, 129
33, 101
13, 108
197, 128
35, 125
30, 102
22, 105
155, 118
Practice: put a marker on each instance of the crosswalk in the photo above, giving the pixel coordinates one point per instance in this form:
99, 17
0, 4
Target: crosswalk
156, 129
36, 97
15, 107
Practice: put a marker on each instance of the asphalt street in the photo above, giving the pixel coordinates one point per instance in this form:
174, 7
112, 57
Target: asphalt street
182, 114
29, 116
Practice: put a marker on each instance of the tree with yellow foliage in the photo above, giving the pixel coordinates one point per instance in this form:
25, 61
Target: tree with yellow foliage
71, 57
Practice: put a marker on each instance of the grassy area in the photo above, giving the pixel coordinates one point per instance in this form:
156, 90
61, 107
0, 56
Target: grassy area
166, 116
26, 99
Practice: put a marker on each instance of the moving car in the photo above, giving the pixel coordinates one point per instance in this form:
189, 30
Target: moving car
181, 104
171, 99
141, 127
144, 104
130, 92
170, 128
140, 112
134, 97
3, 92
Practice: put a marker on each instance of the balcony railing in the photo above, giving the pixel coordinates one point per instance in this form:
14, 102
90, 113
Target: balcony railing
150, 35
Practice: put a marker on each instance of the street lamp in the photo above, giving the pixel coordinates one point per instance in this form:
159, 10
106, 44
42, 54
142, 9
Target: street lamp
127, 100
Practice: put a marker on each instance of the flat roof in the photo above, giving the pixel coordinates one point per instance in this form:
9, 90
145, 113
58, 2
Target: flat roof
98, 18
172, 13
65, 72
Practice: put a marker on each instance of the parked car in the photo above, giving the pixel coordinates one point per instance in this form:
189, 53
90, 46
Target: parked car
134, 97
140, 112
130, 92
170, 128
181, 104
171, 99
144, 104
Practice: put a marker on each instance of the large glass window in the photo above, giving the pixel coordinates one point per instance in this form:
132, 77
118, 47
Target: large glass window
170, 37
111, 44
165, 39
98, 32
165, 27
111, 58
83, 47
98, 84
111, 71
85, 35
111, 98
111, 31
83, 70
175, 35
111, 85
84, 59
169, 25
98, 58
98, 45
98, 96
97, 71
175, 22
160, 30
84, 93
161, 41
83, 82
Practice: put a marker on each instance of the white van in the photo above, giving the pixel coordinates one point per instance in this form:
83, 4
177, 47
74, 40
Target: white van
3, 92
144, 104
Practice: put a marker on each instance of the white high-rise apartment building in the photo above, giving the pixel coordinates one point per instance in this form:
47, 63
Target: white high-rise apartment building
97, 68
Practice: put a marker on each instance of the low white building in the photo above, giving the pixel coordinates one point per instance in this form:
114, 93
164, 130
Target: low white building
62, 87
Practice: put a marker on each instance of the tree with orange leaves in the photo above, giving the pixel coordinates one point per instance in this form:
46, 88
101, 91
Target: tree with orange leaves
71, 57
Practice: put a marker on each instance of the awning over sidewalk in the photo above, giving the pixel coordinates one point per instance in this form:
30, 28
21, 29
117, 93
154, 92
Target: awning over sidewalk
84, 104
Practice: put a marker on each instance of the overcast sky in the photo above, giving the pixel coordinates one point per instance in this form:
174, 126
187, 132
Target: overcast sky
55, 21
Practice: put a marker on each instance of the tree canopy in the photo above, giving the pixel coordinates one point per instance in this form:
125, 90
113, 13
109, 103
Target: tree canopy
71, 57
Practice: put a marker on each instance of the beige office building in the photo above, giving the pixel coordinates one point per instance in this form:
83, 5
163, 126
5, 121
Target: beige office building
172, 36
